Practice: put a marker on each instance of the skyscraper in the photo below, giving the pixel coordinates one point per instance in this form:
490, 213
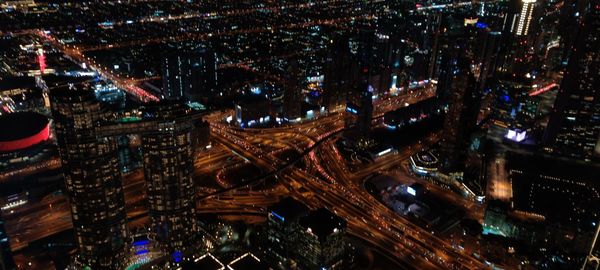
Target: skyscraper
292, 97
359, 102
321, 241
339, 73
524, 17
189, 71
203, 71
574, 126
280, 237
176, 72
461, 118
92, 178
168, 168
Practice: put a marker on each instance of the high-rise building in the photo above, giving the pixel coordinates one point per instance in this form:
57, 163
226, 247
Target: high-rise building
339, 73
574, 126
447, 70
189, 71
168, 168
292, 96
281, 233
513, 107
6, 259
524, 18
92, 178
516, 55
461, 118
488, 56
204, 76
321, 241
359, 103
176, 72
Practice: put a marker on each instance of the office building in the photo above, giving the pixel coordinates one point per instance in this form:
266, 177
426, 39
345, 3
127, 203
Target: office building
176, 72
168, 169
252, 111
321, 243
292, 96
514, 107
574, 126
488, 57
92, 178
203, 71
281, 235
339, 73
523, 20
359, 102
461, 117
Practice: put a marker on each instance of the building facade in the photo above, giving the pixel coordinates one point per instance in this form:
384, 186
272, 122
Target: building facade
92, 178
574, 126
168, 169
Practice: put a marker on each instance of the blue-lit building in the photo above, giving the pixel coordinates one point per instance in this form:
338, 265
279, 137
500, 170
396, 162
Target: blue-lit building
280, 234
514, 106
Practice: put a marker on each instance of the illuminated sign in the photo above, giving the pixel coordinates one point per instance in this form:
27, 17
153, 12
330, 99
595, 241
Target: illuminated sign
384, 152
141, 243
351, 110
481, 25
543, 89
411, 191
471, 21
515, 135
278, 216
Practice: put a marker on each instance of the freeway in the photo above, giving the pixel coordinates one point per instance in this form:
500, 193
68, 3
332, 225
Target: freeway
325, 178
73, 53
336, 189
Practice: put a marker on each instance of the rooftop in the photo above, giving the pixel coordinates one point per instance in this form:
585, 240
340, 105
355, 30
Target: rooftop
322, 223
20, 125
289, 209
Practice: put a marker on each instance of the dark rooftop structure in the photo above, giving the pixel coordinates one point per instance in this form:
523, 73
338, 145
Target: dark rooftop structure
322, 223
16, 136
413, 113
557, 189
289, 209
13, 128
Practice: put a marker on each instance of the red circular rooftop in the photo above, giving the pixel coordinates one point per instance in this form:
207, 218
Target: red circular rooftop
21, 130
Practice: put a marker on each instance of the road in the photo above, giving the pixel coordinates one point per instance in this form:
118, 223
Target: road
325, 177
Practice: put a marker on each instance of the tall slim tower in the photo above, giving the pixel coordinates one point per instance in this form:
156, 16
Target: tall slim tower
292, 97
574, 126
176, 72
461, 118
360, 96
92, 178
168, 168
203, 69
524, 18
339, 74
